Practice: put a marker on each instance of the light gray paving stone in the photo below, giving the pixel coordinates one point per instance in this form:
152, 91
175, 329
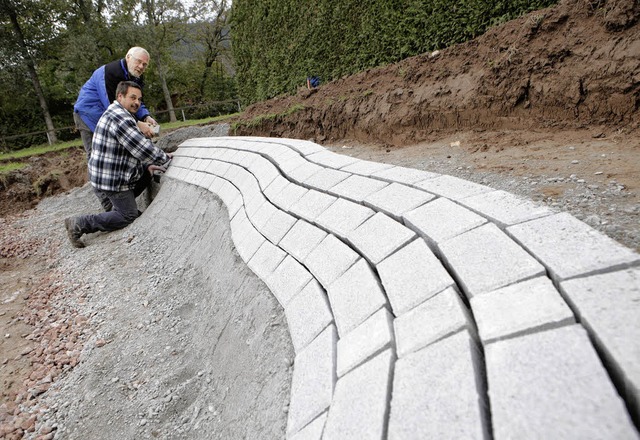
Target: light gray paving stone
504, 208
355, 296
312, 204
277, 226
264, 171
206, 180
313, 381
301, 239
609, 307
181, 161
359, 408
412, 275
365, 167
266, 259
325, 179
408, 176
287, 280
172, 172
485, 259
216, 184
308, 313
218, 168
357, 188
290, 195
292, 163
313, 431
249, 241
200, 164
303, 147
305, 171
274, 191
379, 236
569, 247
231, 198
436, 393
330, 259
396, 199
261, 217
437, 318
343, 216
441, 220
552, 385
369, 338
330, 159
452, 187
525, 307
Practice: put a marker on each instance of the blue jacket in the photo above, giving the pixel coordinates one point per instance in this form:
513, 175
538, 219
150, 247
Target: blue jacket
100, 91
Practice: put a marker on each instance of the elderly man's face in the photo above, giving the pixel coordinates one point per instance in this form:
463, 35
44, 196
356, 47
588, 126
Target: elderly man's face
130, 100
137, 64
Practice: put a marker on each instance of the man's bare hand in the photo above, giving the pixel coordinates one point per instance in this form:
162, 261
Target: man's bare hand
145, 129
149, 120
153, 168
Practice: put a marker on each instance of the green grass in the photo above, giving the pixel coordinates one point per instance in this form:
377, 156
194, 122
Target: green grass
11, 166
45, 148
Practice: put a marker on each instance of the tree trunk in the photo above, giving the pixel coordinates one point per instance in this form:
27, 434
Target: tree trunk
165, 91
31, 68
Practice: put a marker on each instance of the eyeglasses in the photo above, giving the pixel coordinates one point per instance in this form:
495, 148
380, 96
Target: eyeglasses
140, 62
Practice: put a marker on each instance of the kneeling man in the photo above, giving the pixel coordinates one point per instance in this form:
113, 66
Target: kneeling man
121, 165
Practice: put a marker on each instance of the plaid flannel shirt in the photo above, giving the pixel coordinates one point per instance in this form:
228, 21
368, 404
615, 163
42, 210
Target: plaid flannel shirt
120, 153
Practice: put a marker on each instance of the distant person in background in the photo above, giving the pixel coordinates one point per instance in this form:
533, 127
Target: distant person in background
100, 91
121, 164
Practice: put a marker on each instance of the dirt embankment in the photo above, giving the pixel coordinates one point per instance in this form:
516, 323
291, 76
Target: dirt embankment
576, 65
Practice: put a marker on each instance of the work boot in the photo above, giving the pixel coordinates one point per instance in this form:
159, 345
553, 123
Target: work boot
73, 232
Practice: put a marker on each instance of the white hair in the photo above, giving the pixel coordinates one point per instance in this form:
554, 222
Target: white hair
135, 51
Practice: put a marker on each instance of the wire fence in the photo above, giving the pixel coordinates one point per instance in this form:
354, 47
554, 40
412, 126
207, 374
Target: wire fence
196, 111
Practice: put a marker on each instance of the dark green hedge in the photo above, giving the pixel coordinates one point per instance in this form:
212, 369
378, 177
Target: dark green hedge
278, 43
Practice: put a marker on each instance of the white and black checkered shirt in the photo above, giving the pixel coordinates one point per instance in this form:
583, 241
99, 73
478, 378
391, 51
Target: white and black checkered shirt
120, 153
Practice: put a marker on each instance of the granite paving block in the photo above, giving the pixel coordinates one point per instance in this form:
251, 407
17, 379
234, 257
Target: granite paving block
365, 167
313, 431
486, 259
313, 381
289, 195
608, 305
182, 161
343, 216
330, 159
396, 199
249, 241
308, 313
287, 280
355, 296
277, 226
274, 191
569, 247
325, 179
369, 338
330, 259
305, 171
412, 275
218, 168
437, 318
452, 187
264, 171
266, 259
525, 307
553, 385
216, 185
505, 209
301, 239
441, 220
261, 216
303, 147
312, 204
357, 188
408, 176
231, 197
436, 393
360, 406
379, 236
292, 163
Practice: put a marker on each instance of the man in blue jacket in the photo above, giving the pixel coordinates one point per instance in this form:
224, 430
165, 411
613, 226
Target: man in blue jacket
100, 91
121, 163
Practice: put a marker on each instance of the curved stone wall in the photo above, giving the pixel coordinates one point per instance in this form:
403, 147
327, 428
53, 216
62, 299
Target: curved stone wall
425, 306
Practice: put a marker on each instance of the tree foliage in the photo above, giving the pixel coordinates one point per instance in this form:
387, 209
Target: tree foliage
66, 40
277, 44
